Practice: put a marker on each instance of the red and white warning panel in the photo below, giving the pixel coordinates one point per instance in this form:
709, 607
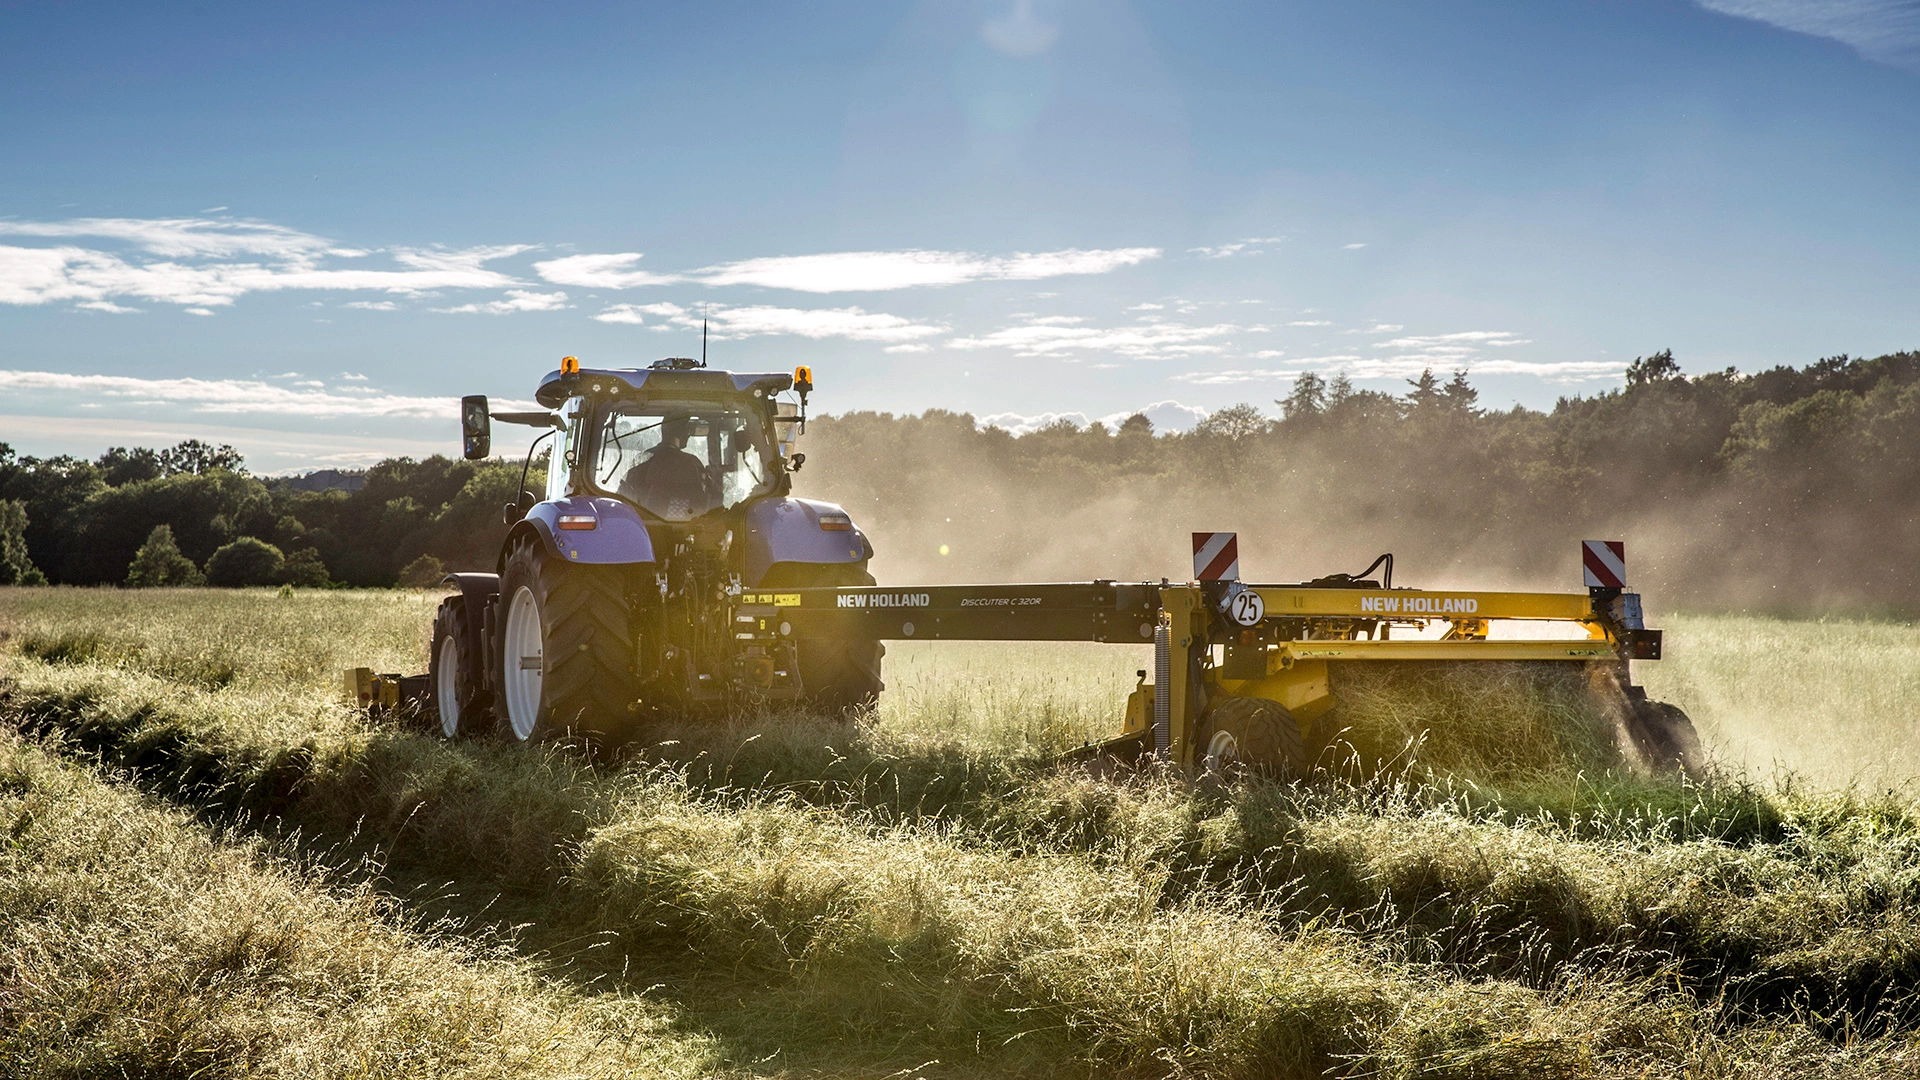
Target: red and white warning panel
1605, 562
1216, 556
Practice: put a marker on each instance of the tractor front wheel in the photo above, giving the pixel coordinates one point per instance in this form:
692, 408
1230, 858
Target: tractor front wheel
835, 675
567, 648
1248, 734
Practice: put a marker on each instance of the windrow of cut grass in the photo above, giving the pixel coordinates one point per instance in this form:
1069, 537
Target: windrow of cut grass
871, 933
135, 943
1383, 927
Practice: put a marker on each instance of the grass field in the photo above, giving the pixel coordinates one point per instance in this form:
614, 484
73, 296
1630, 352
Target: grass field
217, 870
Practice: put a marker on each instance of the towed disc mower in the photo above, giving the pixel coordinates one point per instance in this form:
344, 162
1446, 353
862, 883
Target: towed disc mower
668, 569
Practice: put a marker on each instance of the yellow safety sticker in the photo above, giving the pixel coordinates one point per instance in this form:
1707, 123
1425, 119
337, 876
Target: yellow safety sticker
785, 599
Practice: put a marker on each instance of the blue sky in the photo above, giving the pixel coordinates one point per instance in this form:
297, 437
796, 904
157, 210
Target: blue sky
305, 229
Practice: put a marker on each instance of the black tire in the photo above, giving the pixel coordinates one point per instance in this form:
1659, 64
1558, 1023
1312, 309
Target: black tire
1249, 734
1665, 736
836, 676
587, 656
466, 709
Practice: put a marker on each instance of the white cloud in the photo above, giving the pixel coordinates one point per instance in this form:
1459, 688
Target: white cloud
226, 396
628, 314
846, 271
1151, 339
1484, 337
600, 272
876, 271
1884, 30
908, 348
1148, 307
194, 268
373, 305
1166, 416
354, 377
850, 323
182, 237
1310, 322
1021, 424
734, 323
517, 300
1252, 245
1405, 367
205, 311
107, 306
1352, 247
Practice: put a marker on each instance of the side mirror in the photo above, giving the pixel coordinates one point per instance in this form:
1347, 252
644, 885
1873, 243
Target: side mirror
476, 427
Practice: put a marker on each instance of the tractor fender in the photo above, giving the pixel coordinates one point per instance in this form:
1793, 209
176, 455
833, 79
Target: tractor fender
618, 535
478, 591
783, 530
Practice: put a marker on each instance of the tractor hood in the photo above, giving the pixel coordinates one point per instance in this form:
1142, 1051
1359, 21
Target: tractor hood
556, 388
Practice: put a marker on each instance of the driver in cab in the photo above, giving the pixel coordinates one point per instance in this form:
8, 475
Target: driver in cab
670, 481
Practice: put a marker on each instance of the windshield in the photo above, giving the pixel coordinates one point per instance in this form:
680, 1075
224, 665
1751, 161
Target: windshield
679, 460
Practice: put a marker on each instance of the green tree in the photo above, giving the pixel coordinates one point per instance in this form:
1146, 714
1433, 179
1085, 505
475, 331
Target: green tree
422, 573
246, 561
1308, 398
159, 563
196, 457
1658, 368
15, 567
1459, 395
1426, 392
1234, 422
305, 568
120, 465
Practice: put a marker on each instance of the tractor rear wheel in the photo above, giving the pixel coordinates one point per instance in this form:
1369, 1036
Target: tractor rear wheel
835, 675
461, 695
1249, 734
566, 648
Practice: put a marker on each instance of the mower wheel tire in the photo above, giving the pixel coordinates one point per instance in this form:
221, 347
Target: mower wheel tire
1665, 736
567, 650
841, 677
461, 696
1249, 734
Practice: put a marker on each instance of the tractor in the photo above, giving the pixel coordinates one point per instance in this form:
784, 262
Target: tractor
616, 591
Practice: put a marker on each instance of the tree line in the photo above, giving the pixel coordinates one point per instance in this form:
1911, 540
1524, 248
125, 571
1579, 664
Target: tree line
1792, 488
193, 515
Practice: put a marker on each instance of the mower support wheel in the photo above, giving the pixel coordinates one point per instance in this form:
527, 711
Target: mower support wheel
1253, 735
1665, 736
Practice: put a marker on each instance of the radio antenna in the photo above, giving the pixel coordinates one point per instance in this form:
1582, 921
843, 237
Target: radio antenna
703, 340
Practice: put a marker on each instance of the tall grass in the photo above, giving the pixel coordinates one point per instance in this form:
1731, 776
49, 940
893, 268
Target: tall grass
1832, 702
134, 943
934, 885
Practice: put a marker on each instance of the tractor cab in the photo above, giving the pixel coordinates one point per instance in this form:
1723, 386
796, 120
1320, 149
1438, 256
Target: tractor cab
675, 441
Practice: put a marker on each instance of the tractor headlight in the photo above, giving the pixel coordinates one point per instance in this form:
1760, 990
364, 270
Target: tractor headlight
836, 522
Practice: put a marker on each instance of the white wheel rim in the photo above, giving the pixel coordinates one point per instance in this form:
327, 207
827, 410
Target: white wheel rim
524, 663
1222, 750
446, 693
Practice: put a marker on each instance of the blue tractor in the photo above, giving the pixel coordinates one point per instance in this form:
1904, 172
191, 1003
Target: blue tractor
618, 592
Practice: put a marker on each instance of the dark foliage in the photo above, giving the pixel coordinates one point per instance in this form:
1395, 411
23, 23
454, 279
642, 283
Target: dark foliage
83, 522
1794, 488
